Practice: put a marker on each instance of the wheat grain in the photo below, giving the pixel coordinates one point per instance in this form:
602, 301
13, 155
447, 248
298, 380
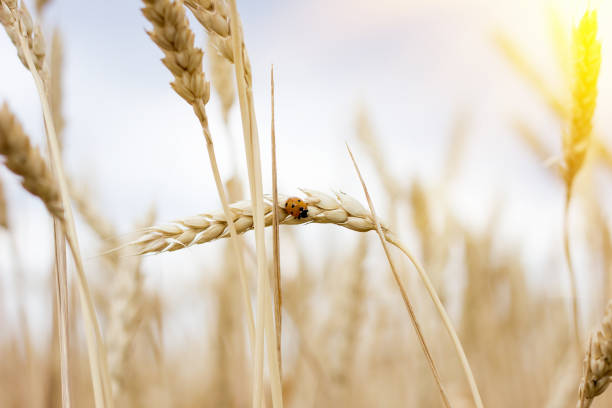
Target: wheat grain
26, 161
598, 362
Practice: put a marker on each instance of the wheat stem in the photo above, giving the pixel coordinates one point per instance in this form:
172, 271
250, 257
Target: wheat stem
400, 284
252, 151
278, 297
570, 268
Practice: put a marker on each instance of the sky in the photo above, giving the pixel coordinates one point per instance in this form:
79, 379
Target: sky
414, 66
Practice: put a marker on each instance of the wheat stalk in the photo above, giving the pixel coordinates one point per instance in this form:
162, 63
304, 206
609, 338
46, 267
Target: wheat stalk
598, 362
253, 158
278, 296
55, 84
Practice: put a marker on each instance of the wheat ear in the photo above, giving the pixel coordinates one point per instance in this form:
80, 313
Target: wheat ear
597, 362
26, 161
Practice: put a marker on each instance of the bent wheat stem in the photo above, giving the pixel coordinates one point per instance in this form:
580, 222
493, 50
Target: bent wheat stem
400, 284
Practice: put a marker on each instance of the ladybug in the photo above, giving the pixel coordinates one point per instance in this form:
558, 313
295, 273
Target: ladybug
296, 207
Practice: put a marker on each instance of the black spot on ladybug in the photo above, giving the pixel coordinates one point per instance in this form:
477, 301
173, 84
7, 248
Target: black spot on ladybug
296, 207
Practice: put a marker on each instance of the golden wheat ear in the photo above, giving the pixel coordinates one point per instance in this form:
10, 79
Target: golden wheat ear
597, 362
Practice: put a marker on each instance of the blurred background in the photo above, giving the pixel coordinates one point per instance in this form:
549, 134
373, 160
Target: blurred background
439, 118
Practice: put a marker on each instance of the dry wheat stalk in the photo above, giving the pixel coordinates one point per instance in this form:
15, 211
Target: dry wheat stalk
222, 78
26, 161
250, 135
55, 84
598, 362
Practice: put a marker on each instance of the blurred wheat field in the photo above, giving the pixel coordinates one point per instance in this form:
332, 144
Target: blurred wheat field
151, 256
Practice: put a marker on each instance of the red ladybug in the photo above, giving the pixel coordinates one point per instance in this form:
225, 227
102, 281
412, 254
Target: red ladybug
296, 207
